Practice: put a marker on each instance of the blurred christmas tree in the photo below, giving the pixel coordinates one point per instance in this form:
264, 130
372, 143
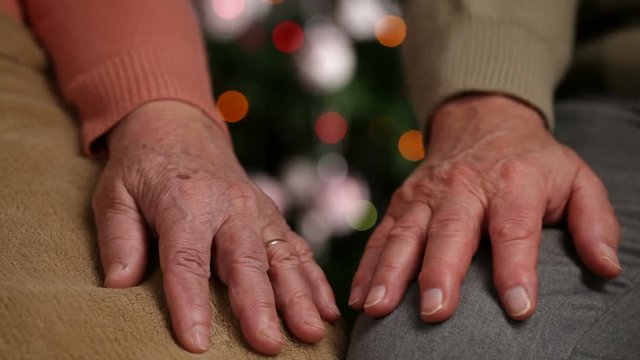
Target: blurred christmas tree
313, 93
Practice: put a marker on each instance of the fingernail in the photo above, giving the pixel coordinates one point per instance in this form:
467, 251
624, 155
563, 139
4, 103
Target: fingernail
375, 295
610, 255
273, 332
200, 337
115, 269
334, 310
314, 323
355, 295
517, 301
432, 301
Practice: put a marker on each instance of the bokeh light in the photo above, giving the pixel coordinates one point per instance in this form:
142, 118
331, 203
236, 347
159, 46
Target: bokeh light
411, 145
228, 9
341, 201
327, 61
391, 31
288, 37
229, 19
316, 229
331, 127
301, 180
359, 17
233, 106
365, 218
273, 189
332, 167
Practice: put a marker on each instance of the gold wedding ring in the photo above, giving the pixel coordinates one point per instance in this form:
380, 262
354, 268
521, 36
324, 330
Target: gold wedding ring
273, 242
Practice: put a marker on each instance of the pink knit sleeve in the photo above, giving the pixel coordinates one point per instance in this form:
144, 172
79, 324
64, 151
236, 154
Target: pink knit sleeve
112, 56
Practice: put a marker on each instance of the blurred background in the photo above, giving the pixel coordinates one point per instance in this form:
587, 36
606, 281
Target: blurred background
313, 94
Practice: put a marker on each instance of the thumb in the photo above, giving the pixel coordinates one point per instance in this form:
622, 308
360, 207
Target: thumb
122, 234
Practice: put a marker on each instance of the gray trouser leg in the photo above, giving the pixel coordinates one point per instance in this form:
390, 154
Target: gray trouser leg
579, 316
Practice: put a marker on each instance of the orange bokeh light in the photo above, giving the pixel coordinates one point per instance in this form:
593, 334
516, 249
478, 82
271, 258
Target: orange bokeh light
331, 127
411, 145
233, 106
391, 30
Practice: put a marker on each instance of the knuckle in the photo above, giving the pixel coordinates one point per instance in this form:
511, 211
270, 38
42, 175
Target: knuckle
248, 260
190, 260
448, 224
516, 228
298, 296
439, 267
430, 274
103, 197
424, 190
248, 307
507, 278
424, 276
403, 194
459, 173
437, 262
241, 196
121, 208
107, 242
511, 170
375, 245
412, 233
282, 257
390, 267
451, 174
305, 254
570, 154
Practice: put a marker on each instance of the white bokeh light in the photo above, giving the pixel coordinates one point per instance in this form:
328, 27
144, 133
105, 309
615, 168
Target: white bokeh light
273, 189
228, 19
359, 17
301, 180
315, 228
228, 9
327, 61
332, 167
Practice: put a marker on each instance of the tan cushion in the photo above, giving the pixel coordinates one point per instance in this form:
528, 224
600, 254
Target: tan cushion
52, 305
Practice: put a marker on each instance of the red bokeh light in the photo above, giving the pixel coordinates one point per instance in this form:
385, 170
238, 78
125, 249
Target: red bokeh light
331, 127
288, 37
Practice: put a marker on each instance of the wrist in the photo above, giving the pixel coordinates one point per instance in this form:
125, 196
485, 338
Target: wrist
486, 111
165, 121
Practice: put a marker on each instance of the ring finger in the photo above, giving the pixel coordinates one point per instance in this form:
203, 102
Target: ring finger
291, 290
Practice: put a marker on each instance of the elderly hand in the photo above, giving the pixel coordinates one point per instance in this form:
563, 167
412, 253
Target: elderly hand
172, 172
491, 166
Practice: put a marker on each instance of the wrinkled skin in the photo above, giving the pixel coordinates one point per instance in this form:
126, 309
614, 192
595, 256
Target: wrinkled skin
172, 173
491, 167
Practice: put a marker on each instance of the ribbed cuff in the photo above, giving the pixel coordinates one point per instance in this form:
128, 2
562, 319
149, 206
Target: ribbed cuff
109, 92
476, 54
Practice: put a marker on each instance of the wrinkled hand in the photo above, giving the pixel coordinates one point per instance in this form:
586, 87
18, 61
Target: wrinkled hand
492, 167
172, 171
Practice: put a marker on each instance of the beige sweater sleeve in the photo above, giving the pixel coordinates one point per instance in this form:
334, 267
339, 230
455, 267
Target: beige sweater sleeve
516, 47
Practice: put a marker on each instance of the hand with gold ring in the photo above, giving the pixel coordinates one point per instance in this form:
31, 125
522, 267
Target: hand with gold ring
172, 170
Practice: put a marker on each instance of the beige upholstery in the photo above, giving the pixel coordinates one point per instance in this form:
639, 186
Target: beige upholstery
52, 305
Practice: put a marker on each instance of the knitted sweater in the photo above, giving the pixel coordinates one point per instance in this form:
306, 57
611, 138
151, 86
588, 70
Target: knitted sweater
521, 48
112, 56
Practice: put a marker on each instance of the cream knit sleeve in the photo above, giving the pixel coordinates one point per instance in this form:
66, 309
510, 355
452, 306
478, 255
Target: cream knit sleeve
516, 47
